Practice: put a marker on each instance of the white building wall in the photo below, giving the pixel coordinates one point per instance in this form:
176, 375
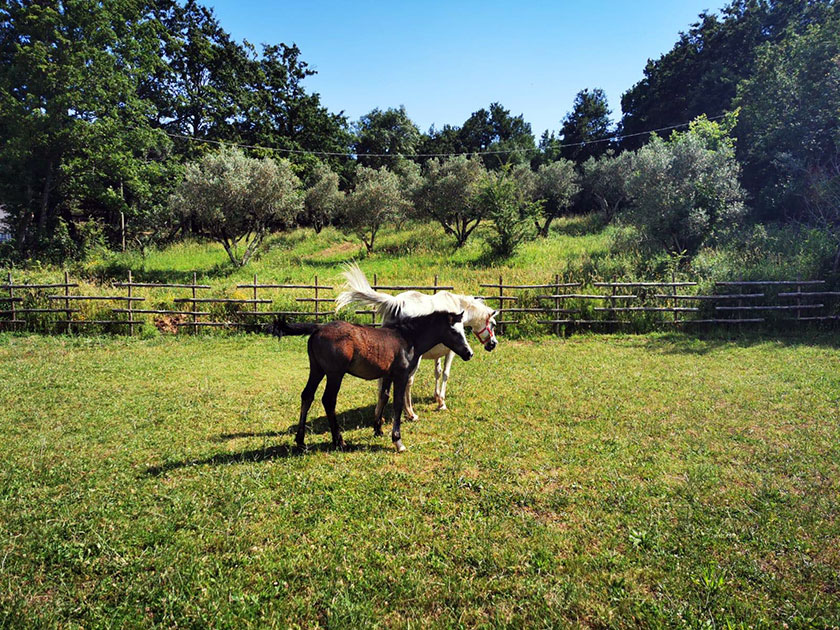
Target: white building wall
4, 229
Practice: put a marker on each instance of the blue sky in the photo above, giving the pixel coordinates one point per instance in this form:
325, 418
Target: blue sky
445, 60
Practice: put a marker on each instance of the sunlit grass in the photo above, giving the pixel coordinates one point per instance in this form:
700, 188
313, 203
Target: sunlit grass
614, 481
414, 252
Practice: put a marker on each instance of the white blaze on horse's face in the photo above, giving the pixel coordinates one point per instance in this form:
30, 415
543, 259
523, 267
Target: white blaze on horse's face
460, 345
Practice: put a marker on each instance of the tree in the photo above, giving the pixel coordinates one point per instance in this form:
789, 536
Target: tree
504, 139
822, 202
604, 180
377, 200
587, 127
77, 143
322, 198
513, 215
789, 125
282, 114
700, 74
235, 200
683, 191
390, 133
555, 185
202, 89
439, 143
448, 195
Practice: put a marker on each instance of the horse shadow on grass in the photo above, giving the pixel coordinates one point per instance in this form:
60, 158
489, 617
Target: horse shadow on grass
348, 421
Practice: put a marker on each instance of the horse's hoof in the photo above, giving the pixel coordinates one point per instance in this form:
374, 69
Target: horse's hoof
377, 433
413, 418
441, 407
399, 446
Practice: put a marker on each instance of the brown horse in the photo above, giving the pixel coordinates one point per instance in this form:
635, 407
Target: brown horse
390, 353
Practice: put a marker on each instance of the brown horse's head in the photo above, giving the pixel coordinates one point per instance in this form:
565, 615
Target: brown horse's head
454, 337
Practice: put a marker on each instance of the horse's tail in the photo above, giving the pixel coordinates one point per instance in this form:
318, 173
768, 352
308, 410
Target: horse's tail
359, 291
281, 327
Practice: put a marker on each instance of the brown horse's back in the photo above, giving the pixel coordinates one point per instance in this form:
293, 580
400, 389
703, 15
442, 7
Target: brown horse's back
362, 351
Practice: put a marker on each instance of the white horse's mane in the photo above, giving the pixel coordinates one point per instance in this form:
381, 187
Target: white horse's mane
408, 303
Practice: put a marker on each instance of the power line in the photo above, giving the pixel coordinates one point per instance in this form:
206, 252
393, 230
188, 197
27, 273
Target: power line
616, 138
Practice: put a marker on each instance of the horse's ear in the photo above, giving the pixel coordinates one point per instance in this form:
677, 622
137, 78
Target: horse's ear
455, 318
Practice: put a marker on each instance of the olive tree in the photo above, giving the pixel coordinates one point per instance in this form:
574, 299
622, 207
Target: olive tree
682, 191
448, 195
604, 180
323, 198
236, 200
377, 199
556, 185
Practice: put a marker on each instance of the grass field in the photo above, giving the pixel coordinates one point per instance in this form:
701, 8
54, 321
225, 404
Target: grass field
612, 481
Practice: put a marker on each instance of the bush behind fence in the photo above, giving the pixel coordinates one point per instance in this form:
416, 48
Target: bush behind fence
557, 305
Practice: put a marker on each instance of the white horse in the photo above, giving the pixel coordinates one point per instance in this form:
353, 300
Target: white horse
477, 315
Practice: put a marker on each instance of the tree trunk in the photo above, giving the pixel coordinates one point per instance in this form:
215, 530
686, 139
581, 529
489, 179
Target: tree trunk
544, 229
231, 254
252, 247
45, 201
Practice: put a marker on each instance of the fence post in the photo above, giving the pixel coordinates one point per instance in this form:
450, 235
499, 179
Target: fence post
255, 297
12, 300
674, 294
130, 307
501, 302
556, 303
67, 311
798, 301
194, 316
373, 314
317, 308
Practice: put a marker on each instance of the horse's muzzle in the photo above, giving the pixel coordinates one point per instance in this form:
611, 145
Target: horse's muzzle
490, 345
467, 355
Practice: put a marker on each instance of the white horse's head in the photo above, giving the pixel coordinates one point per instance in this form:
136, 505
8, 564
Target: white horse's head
482, 319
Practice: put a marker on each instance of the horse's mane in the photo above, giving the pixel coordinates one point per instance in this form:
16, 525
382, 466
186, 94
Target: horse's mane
415, 323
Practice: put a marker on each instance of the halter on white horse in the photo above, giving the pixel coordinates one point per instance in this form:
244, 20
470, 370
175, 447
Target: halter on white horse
477, 315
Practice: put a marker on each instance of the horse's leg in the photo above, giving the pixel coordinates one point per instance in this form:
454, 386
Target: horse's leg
380, 403
445, 377
399, 400
438, 374
328, 399
316, 375
384, 389
409, 405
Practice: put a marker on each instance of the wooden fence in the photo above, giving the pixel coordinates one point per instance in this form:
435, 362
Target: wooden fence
557, 306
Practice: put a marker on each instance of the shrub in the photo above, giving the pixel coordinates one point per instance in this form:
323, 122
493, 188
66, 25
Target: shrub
513, 215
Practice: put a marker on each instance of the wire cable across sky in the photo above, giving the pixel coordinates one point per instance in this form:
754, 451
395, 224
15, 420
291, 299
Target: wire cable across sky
615, 138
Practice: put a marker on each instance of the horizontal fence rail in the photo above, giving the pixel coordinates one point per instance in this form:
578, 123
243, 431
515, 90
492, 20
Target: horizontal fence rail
558, 306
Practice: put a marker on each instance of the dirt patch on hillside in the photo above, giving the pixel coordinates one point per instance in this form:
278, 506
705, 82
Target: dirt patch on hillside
168, 323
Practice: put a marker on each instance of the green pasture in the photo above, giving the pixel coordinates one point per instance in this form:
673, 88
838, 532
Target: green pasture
598, 481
